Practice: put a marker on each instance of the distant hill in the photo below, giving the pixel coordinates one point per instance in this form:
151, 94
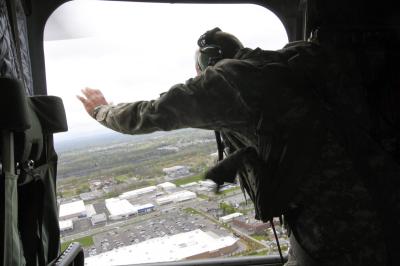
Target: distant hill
107, 138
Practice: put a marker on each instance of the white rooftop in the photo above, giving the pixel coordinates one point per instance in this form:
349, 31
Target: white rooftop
166, 185
183, 194
175, 168
137, 192
177, 196
90, 211
67, 224
118, 207
230, 216
101, 217
189, 184
207, 183
71, 208
145, 206
169, 248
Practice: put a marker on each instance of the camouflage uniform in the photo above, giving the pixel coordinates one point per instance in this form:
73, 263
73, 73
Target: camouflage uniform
291, 162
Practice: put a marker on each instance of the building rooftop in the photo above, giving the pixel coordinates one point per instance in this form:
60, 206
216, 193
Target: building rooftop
166, 185
118, 207
177, 196
174, 168
64, 225
137, 192
207, 183
71, 209
169, 248
145, 206
90, 211
101, 217
230, 216
189, 184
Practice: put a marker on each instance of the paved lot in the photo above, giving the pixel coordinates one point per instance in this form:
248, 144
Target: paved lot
174, 222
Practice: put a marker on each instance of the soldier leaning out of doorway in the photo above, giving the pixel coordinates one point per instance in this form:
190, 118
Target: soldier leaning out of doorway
293, 153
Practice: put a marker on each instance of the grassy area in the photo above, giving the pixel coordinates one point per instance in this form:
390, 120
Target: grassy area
84, 241
227, 191
189, 179
227, 208
68, 193
253, 253
202, 196
191, 211
259, 237
121, 179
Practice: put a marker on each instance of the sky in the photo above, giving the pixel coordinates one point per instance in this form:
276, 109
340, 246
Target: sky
135, 51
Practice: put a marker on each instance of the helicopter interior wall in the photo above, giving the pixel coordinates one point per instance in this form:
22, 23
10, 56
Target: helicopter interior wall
10, 58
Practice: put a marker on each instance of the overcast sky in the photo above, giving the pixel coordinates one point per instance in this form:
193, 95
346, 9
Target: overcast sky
135, 51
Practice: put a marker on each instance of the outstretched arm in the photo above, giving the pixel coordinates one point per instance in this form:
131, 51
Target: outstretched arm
207, 102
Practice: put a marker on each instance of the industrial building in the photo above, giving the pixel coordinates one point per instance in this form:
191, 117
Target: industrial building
176, 197
142, 209
164, 200
184, 195
229, 217
72, 210
86, 196
250, 225
66, 225
207, 184
90, 211
137, 192
167, 186
191, 184
120, 209
98, 219
176, 171
189, 245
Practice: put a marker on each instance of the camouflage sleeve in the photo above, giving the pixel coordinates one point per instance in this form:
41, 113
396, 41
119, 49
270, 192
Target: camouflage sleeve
207, 101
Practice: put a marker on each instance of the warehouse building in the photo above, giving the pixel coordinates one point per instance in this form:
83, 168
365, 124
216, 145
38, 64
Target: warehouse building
176, 171
167, 186
72, 210
250, 225
189, 245
66, 225
90, 211
164, 200
184, 195
229, 217
86, 196
98, 219
137, 192
142, 209
207, 184
191, 184
176, 197
120, 209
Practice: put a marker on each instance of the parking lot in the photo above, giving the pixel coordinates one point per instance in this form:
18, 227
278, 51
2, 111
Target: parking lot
175, 221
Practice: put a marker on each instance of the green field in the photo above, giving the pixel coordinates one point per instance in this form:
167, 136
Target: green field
84, 241
189, 179
260, 237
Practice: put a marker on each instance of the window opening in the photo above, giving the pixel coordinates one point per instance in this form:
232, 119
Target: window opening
122, 194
